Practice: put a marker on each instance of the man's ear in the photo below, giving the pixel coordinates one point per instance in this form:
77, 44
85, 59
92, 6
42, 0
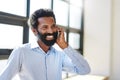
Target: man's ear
34, 31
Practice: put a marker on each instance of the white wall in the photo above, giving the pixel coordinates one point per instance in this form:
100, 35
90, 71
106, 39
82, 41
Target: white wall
115, 72
97, 35
101, 37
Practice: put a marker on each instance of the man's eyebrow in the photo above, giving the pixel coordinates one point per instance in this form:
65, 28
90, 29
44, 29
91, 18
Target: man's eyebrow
53, 24
44, 25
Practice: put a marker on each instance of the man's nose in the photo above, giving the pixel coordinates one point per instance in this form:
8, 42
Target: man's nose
49, 30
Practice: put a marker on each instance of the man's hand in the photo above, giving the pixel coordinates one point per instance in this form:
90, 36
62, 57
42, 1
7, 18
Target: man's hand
61, 39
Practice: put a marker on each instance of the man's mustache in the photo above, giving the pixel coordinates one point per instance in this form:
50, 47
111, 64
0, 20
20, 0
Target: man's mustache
50, 34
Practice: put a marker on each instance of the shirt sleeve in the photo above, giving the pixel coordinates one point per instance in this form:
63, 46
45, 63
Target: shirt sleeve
12, 66
76, 62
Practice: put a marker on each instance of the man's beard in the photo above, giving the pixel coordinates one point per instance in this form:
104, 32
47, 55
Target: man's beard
42, 37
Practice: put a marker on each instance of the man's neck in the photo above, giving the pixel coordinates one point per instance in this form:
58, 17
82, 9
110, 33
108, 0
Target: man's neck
43, 46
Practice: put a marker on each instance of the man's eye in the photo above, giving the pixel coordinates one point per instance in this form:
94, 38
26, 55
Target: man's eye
53, 26
44, 27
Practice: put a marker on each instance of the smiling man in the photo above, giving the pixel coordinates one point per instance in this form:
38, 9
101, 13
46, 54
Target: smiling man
40, 60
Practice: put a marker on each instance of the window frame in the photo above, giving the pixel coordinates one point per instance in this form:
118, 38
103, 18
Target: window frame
69, 29
7, 18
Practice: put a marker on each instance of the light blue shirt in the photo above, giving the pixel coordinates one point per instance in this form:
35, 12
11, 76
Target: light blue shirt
30, 62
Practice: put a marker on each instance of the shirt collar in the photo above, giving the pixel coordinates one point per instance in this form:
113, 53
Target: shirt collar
35, 45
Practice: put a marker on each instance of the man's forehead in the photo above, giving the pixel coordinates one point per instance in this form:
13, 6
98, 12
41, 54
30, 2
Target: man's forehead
46, 19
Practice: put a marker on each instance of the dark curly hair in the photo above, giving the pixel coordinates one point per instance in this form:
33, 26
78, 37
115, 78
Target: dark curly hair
33, 20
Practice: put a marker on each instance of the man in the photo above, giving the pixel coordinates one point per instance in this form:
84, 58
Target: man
39, 60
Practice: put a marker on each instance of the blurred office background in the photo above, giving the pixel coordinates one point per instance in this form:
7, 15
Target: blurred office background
91, 26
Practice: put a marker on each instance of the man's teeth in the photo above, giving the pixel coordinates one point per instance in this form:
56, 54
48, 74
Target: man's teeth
50, 36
